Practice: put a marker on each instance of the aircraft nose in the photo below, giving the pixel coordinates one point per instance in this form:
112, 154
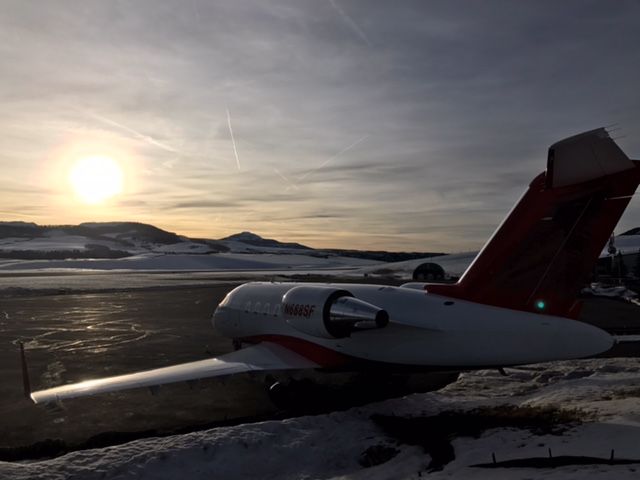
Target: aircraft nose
218, 318
221, 317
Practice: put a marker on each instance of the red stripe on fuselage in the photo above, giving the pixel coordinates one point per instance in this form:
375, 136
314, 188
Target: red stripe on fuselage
323, 356
330, 359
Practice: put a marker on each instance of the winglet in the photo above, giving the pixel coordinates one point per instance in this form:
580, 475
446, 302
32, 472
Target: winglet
26, 382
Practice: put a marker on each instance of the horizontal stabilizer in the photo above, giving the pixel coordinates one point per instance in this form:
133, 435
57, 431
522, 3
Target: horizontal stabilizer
584, 157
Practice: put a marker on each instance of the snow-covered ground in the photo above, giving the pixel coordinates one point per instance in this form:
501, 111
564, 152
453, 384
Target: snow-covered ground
155, 270
218, 261
41, 249
606, 394
454, 265
48, 243
620, 291
153, 249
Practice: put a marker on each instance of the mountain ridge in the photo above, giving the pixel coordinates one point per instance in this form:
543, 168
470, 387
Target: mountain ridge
28, 240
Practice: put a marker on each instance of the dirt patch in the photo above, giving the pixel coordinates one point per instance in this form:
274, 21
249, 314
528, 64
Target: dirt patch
377, 455
434, 433
555, 462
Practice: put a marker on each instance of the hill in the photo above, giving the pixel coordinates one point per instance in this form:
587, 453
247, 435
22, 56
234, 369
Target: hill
29, 241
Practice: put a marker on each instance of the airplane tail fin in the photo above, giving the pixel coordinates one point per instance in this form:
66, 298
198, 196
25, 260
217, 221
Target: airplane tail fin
546, 248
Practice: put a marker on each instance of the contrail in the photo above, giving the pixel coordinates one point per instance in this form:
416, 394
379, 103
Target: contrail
346, 149
235, 150
354, 26
291, 184
135, 133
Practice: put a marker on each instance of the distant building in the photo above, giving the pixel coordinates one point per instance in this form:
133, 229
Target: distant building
619, 265
428, 272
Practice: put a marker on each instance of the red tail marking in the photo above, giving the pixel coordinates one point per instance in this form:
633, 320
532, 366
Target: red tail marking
547, 247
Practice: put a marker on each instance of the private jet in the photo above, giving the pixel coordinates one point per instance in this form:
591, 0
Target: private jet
515, 304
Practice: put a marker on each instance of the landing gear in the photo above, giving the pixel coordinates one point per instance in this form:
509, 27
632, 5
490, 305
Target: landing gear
303, 396
306, 397
339, 391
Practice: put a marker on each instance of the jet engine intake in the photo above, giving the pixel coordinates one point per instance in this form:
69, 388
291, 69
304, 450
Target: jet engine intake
330, 313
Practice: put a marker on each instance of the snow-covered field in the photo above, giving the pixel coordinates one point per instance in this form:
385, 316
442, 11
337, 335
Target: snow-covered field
219, 261
454, 265
158, 270
154, 250
605, 392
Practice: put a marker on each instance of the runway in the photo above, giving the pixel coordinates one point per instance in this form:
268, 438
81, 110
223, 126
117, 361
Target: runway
78, 336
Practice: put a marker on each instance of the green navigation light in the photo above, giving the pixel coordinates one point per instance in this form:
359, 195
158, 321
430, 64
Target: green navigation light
540, 304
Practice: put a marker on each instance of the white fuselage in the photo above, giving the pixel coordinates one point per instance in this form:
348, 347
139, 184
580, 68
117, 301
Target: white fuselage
424, 330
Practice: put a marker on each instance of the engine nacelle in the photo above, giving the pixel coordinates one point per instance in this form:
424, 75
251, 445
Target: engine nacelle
329, 312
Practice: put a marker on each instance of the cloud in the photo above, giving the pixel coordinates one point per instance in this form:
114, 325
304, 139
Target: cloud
136, 134
204, 204
350, 22
457, 105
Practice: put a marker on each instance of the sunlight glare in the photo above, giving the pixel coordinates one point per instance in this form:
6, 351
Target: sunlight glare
95, 179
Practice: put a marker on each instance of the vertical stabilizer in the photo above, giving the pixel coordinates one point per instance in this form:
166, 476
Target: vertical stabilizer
546, 248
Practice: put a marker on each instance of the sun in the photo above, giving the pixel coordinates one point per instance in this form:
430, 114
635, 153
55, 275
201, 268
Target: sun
95, 179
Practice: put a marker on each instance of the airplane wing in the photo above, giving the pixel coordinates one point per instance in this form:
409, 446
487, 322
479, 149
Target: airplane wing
261, 357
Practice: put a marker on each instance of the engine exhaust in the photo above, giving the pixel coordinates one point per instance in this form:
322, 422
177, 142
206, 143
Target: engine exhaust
357, 314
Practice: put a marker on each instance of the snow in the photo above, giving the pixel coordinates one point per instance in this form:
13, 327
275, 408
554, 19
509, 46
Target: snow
241, 247
182, 255
195, 255
626, 244
619, 291
220, 261
606, 392
133, 241
48, 243
183, 247
454, 265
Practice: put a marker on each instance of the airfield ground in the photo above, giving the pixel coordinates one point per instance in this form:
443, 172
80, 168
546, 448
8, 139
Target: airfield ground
74, 336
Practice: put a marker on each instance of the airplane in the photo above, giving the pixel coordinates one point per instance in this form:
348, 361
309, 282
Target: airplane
515, 304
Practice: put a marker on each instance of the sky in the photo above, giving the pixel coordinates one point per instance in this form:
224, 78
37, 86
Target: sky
408, 125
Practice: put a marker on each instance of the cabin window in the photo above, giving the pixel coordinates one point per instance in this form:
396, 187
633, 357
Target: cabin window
256, 308
276, 310
267, 308
247, 307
